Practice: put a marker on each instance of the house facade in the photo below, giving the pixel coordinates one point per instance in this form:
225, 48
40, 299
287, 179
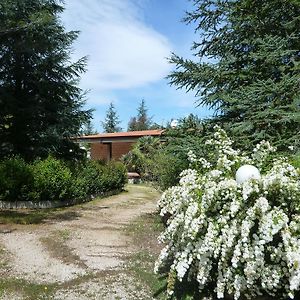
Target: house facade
112, 146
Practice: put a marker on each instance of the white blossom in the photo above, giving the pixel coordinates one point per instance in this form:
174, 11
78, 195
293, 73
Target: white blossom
243, 239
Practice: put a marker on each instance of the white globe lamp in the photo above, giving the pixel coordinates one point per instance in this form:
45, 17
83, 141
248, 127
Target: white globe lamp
174, 124
88, 154
245, 173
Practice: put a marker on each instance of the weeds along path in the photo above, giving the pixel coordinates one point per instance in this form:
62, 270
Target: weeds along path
81, 252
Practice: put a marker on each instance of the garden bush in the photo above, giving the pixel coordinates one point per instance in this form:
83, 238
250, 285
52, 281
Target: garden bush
161, 161
164, 169
95, 178
115, 176
88, 177
225, 239
54, 180
174, 158
140, 157
134, 161
296, 160
16, 179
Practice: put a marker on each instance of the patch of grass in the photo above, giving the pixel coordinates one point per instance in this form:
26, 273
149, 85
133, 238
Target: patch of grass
3, 258
144, 232
29, 291
23, 217
12, 287
141, 267
56, 245
64, 234
77, 281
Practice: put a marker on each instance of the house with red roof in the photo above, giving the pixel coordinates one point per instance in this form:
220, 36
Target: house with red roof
112, 146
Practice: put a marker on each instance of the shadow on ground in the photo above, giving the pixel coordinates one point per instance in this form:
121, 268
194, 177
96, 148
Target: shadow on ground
36, 216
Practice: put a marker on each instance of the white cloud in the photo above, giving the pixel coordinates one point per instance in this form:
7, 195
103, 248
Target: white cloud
123, 51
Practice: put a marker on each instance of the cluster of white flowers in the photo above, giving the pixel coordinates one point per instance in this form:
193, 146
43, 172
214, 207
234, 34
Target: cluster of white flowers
261, 152
242, 239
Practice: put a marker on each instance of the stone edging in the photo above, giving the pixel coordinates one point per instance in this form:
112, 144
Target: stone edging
52, 204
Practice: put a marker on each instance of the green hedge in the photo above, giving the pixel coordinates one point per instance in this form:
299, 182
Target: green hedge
96, 178
16, 180
53, 179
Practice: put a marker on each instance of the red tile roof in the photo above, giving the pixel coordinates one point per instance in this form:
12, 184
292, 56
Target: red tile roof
156, 132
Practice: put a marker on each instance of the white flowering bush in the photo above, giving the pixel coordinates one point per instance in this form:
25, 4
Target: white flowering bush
225, 239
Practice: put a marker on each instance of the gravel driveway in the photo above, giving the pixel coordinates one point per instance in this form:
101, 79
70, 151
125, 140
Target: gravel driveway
81, 253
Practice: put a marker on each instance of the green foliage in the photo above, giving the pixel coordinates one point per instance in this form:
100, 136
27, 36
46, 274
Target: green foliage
16, 179
148, 145
162, 161
111, 120
52, 179
167, 163
190, 125
116, 175
164, 169
142, 121
248, 68
214, 221
83, 180
174, 159
96, 178
296, 160
41, 106
134, 161
141, 155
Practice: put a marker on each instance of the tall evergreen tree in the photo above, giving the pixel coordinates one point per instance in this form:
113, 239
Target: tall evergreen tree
142, 121
111, 120
41, 106
248, 67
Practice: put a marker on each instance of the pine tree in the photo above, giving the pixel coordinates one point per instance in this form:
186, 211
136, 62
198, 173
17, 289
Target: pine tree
111, 120
248, 67
142, 121
41, 106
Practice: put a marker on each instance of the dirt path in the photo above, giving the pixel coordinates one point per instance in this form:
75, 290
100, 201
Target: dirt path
81, 253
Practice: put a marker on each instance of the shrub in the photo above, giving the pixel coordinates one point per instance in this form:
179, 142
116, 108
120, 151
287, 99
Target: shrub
228, 239
112, 176
79, 188
95, 178
16, 179
52, 179
164, 169
134, 161
88, 178
160, 162
165, 165
296, 160
140, 157
117, 175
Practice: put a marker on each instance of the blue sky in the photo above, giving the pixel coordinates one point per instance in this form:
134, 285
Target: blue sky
127, 43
